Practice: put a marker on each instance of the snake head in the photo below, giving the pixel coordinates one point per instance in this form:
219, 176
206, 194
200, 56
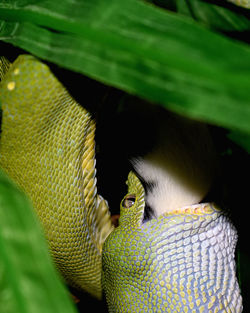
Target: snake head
182, 260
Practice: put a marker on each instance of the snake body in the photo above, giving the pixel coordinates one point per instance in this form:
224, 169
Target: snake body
182, 261
242, 3
47, 147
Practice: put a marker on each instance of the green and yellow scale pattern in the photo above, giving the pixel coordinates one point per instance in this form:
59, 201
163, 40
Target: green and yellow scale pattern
47, 147
242, 3
180, 262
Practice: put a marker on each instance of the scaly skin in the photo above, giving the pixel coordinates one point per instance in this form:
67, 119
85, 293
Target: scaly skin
47, 146
181, 262
242, 3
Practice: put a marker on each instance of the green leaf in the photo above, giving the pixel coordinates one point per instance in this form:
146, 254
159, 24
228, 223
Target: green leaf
141, 49
214, 16
242, 139
29, 282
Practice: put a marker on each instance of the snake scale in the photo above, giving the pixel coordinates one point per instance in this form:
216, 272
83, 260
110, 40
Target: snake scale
182, 261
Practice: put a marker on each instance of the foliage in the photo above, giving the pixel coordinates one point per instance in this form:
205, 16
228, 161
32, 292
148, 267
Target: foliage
190, 56
159, 55
29, 282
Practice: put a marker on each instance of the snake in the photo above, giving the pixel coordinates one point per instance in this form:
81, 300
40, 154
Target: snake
180, 261
242, 3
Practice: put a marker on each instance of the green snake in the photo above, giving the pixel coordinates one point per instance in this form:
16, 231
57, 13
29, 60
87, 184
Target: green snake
181, 261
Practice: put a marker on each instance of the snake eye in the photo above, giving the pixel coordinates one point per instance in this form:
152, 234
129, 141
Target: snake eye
128, 201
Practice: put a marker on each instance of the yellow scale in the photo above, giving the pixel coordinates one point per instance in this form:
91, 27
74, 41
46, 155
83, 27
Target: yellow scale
47, 146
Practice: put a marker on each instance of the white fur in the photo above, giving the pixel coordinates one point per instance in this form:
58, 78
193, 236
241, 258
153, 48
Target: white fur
181, 166
170, 192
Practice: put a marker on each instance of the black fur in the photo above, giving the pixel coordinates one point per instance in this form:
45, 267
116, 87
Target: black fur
148, 186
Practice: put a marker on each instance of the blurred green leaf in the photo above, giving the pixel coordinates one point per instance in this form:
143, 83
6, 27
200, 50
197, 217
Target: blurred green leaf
161, 56
214, 16
241, 139
29, 282
144, 50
